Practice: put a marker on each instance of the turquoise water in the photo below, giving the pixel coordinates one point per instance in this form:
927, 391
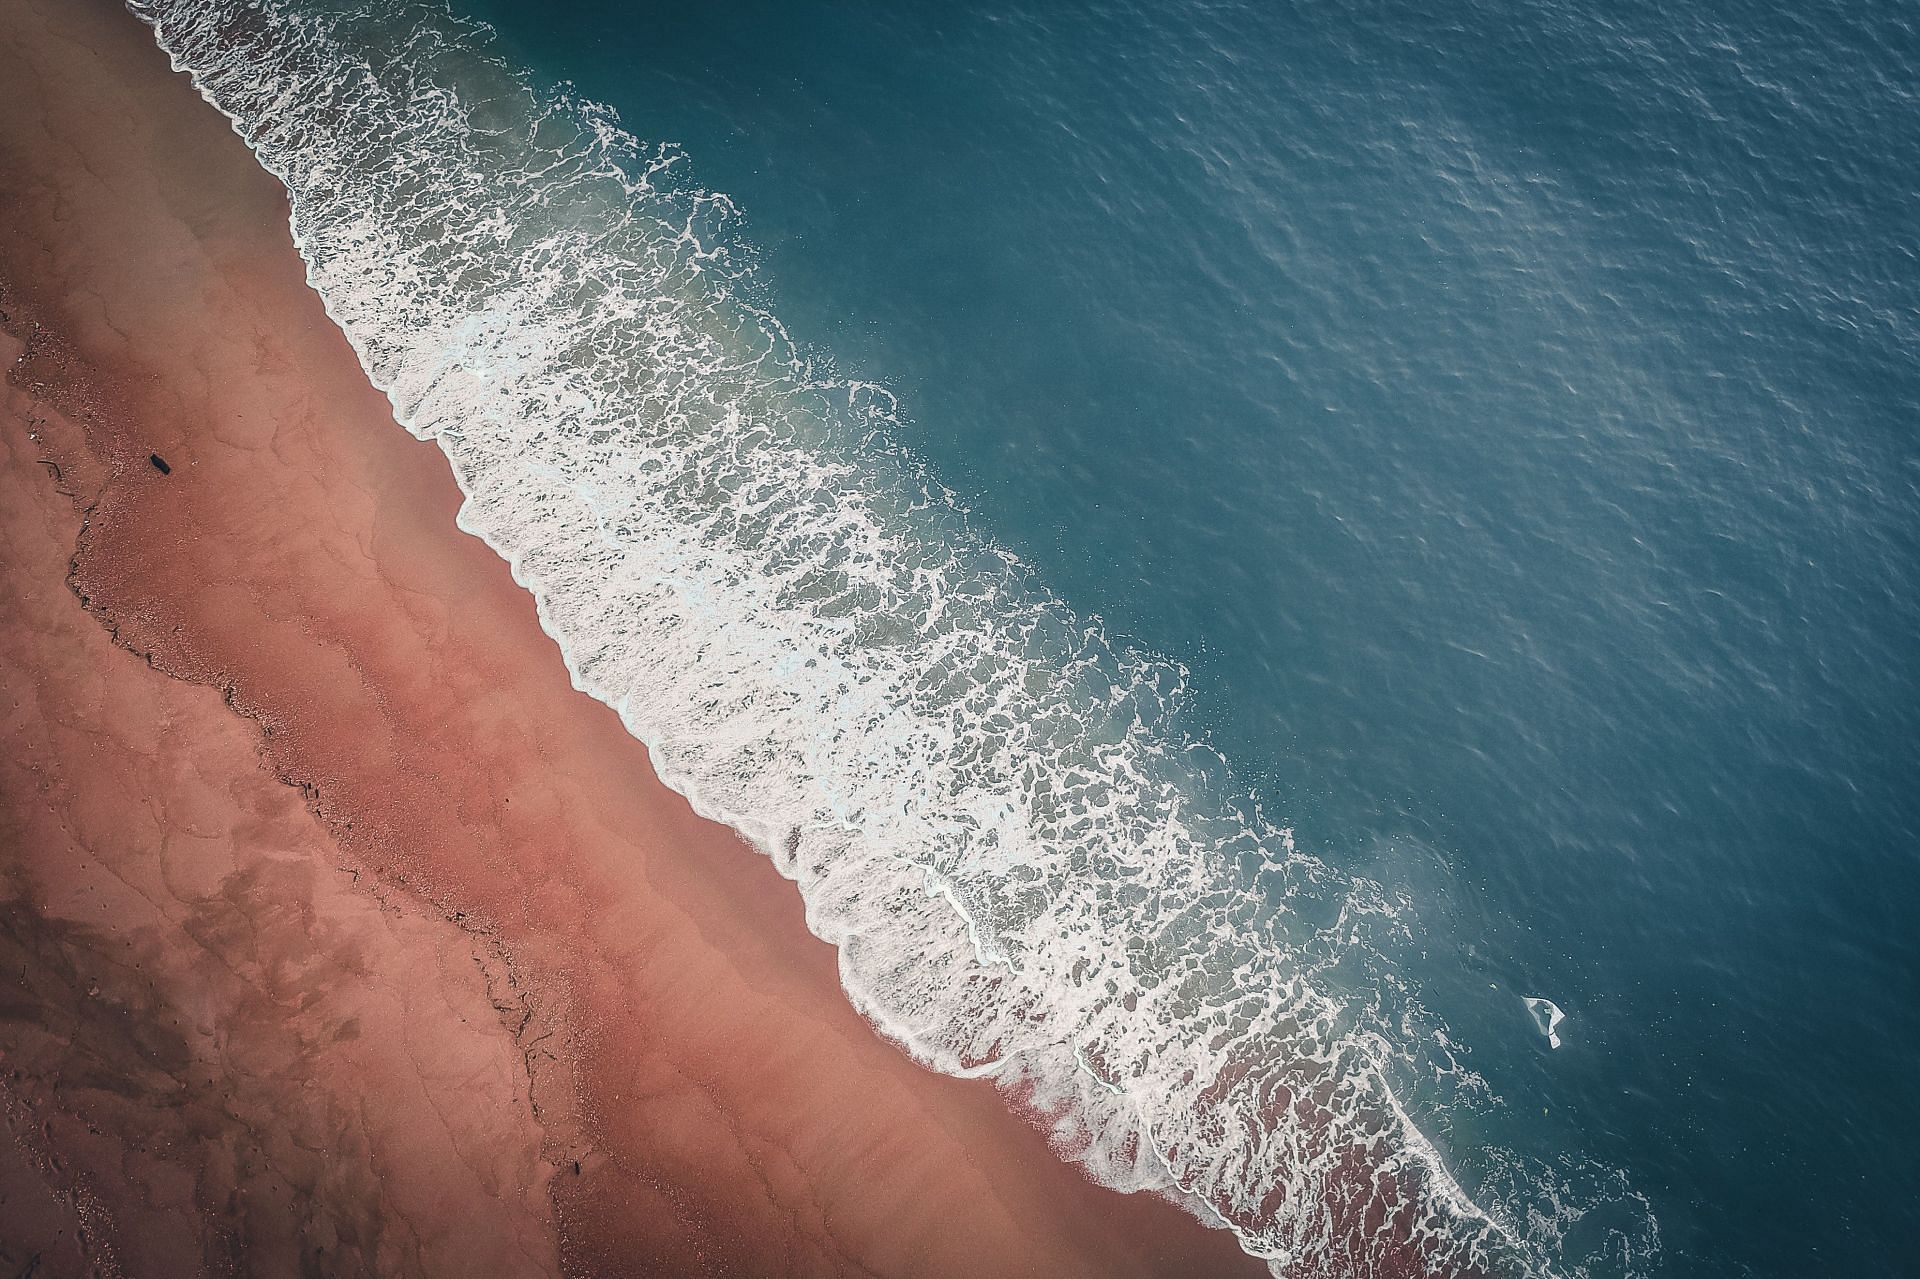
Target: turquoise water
1508, 412
1501, 423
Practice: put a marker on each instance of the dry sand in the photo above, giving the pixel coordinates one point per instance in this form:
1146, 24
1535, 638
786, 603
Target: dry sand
342, 935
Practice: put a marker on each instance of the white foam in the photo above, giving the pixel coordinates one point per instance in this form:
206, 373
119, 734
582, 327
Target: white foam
1030, 870
1546, 1018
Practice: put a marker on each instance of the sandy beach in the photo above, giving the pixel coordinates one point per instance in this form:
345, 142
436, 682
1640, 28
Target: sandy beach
343, 935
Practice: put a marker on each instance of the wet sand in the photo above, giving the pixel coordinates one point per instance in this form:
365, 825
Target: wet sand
342, 933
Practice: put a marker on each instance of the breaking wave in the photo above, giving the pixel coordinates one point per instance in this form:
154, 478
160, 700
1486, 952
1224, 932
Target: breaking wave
1031, 870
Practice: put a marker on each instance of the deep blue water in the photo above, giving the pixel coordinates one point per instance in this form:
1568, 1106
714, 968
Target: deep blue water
1508, 412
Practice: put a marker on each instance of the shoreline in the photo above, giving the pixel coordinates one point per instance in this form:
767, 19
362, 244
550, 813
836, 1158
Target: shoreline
697, 1090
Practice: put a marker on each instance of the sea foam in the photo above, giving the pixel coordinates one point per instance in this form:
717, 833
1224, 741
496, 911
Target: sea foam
1031, 870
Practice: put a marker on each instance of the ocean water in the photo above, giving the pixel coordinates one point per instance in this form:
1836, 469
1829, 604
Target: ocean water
1328, 592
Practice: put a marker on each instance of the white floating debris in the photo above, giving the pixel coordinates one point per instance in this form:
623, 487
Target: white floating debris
1546, 1018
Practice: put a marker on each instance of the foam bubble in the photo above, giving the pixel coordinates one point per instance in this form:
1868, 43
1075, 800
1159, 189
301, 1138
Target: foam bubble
1546, 1018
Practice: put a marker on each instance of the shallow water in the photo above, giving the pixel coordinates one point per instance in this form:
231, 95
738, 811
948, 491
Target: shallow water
1503, 423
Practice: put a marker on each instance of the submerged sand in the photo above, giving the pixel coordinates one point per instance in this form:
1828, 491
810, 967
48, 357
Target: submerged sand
342, 936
